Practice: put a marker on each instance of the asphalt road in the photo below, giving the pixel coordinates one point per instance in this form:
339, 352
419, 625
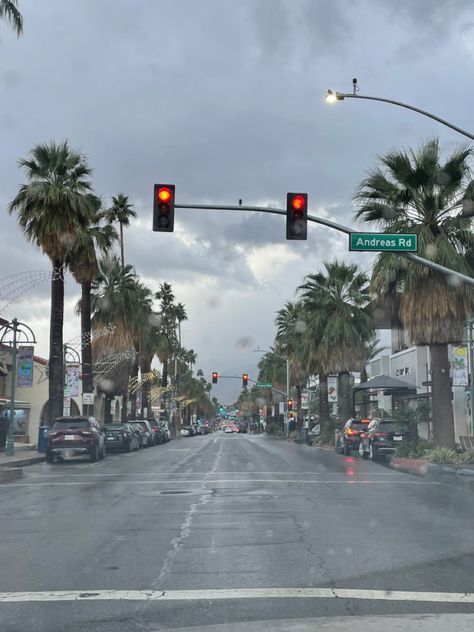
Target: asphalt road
152, 540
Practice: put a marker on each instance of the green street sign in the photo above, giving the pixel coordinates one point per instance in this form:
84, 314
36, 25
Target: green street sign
264, 384
383, 242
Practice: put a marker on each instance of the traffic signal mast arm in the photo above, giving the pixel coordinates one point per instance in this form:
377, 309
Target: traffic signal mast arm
343, 229
239, 377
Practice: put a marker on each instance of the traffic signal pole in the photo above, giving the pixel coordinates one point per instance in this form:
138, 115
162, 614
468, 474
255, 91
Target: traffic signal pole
339, 227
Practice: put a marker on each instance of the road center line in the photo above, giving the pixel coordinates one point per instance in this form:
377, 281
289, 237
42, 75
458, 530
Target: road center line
239, 593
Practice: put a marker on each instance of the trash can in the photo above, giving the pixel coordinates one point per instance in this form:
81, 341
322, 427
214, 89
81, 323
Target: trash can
42, 432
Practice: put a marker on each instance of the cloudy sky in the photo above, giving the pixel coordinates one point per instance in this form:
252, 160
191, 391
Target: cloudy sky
224, 98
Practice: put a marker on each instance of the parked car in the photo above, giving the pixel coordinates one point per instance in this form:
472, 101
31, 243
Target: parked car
159, 434
313, 434
188, 431
382, 437
145, 434
348, 437
72, 436
166, 431
121, 436
228, 429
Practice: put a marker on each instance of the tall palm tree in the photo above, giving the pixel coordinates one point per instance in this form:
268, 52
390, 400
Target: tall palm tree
122, 212
97, 238
290, 338
52, 207
417, 192
337, 299
113, 301
168, 342
10, 13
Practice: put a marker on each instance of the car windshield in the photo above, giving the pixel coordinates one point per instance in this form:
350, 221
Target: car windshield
72, 424
246, 217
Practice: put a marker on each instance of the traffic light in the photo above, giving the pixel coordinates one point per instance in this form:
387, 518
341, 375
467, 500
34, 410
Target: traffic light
296, 215
215, 375
245, 379
290, 405
163, 208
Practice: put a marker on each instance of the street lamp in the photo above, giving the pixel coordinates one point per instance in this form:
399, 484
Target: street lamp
285, 358
332, 96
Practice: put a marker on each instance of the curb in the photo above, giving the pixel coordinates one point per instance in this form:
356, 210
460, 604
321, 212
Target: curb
7, 474
22, 462
441, 473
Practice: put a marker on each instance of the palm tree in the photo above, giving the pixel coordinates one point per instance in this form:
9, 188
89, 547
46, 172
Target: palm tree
415, 192
290, 338
113, 301
97, 238
337, 299
55, 203
10, 13
168, 342
122, 212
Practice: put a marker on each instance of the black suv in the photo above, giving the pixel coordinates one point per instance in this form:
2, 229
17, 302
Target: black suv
71, 436
382, 437
348, 438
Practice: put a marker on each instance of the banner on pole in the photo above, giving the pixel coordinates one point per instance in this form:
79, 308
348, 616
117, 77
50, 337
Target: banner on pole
332, 389
72, 379
460, 373
24, 376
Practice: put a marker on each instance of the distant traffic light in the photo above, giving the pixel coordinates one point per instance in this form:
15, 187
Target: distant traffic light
296, 215
245, 379
290, 405
163, 208
215, 376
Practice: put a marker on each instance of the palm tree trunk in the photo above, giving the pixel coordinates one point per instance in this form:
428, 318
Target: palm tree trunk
134, 376
299, 412
56, 368
365, 398
87, 381
108, 409
145, 368
123, 412
323, 401
121, 245
441, 393
164, 375
344, 404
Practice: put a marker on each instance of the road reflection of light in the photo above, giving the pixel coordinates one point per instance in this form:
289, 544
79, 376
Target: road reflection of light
349, 459
350, 471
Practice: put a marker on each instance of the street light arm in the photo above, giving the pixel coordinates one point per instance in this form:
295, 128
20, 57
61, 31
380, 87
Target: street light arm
408, 107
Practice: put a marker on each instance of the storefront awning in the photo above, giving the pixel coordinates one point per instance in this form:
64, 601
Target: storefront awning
384, 383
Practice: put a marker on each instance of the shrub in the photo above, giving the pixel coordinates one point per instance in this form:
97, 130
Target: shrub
443, 456
467, 457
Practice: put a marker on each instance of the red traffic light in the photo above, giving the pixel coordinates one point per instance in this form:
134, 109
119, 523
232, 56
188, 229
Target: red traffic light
163, 208
297, 202
215, 376
296, 215
164, 194
245, 379
290, 404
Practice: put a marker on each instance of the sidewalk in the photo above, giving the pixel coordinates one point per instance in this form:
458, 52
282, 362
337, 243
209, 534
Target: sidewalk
25, 454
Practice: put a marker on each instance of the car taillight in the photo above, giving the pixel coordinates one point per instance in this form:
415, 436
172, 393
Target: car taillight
380, 434
352, 432
85, 433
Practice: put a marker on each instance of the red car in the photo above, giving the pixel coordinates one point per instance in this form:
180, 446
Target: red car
72, 436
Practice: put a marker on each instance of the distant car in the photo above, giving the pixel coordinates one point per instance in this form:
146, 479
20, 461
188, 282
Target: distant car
188, 431
145, 435
228, 429
159, 434
382, 437
166, 432
121, 436
72, 436
348, 437
313, 434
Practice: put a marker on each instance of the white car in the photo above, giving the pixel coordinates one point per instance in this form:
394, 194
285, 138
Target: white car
228, 429
184, 432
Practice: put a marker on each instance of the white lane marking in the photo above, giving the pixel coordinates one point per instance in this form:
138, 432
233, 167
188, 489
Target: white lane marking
238, 593
230, 480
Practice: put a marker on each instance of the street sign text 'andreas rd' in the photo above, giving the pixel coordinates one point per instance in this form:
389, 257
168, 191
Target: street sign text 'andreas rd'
383, 242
